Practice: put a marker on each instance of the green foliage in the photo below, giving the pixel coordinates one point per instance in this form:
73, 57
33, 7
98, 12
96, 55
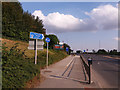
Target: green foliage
102, 51
17, 24
78, 51
54, 56
58, 55
53, 40
66, 45
113, 52
17, 69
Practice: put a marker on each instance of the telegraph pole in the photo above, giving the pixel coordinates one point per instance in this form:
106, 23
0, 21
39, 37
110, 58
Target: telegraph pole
99, 44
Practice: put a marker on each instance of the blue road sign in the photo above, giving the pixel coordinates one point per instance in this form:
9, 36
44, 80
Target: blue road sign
47, 39
67, 49
36, 35
84, 50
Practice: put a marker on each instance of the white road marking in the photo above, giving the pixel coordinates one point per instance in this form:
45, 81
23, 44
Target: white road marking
69, 62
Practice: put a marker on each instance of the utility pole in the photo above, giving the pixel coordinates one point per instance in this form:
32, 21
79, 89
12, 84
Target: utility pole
99, 44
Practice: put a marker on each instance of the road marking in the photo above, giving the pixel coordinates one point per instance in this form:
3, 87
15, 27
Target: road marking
67, 66
69, 62
71, 69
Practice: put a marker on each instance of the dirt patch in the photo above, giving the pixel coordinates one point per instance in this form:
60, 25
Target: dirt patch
35, 81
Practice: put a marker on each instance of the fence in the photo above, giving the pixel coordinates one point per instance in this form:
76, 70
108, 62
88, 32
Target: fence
87, 68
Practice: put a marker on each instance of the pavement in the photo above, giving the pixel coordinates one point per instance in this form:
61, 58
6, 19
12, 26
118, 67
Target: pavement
67, 73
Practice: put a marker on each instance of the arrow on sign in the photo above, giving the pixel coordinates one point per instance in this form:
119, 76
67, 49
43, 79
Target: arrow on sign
36, 35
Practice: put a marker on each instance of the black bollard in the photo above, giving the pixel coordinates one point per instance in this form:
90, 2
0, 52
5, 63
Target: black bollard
89, 63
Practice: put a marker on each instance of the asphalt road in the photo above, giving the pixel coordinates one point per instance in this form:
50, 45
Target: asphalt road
107, 68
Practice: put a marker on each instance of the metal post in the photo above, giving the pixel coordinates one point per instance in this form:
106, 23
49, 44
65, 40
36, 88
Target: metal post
36, 52
47, 56
89, 74
99, 44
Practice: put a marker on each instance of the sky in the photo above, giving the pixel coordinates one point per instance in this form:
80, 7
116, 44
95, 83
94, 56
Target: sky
82, 25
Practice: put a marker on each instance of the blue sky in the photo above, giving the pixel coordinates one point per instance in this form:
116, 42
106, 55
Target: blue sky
88, 27
74, 8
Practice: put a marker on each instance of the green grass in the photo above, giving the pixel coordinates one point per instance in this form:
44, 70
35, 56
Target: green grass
18, 63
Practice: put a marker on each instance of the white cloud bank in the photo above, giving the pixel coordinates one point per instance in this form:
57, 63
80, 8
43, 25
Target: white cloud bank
116, 38
101, 18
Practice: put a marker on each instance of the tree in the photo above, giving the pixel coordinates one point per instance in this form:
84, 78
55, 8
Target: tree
113, 52
11, 12
67, 46
17, 24
53, 40
78, 51
93, 51
102, 51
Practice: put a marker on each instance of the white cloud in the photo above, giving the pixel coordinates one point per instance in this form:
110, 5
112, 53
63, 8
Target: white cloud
56, 22
105, 17
39, 14
117, 38
101, 18
61, 21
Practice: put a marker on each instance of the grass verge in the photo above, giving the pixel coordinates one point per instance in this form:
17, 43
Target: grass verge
18, 63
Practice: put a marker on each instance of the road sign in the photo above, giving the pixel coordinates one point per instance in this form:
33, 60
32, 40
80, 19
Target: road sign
84, 50
59, 47
36, 45
32, 45
39, 47
67, 49
33, 48
36, 35
47, 39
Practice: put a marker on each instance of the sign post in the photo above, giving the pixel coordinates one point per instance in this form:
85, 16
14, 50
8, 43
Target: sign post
36, 51
35, 36
47, 56
47, 40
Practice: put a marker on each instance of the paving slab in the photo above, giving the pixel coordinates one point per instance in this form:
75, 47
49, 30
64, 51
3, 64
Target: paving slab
67, 73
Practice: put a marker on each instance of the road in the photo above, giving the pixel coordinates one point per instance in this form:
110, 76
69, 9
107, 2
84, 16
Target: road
107, 68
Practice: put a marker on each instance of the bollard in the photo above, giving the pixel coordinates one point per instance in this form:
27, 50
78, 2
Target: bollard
89, 63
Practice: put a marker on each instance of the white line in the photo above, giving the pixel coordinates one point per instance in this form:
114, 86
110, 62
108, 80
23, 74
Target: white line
69, 62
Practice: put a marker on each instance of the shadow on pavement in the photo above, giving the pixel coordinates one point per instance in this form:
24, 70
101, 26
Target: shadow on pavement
85, 82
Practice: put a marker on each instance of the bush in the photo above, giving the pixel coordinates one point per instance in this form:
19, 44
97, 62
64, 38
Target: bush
16, 68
